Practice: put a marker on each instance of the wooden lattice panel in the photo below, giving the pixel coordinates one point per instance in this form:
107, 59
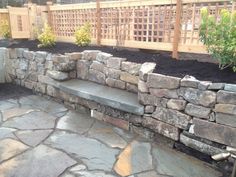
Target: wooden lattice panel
65, 22
191, 19
148, 24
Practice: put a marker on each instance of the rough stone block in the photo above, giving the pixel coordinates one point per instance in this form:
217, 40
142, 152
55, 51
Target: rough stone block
74, 55
112, 73
19, 52
97, 66
103, 57
164, 93
72, 74
96, 76
40, 57
115, 83
12, 53
226, 119
161, 127
203, 85
195, 96
145, 69
142, 87
30, 85
57, 75
47, 80
83, 69
123, 124
132, 88
230, 87
29, 55
149, 109
197, 111
130, 67
215, 132
162, 81
66, 67
52, 91
225, 108
172, 117
176, 104
114, 62
129, 78
33, 77
189, 81
90, 54
60, 59
147, 99
216, 86
40, 88
226, 97
196, 143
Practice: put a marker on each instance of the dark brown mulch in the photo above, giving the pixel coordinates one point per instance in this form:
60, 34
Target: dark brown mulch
165, 64
8, 91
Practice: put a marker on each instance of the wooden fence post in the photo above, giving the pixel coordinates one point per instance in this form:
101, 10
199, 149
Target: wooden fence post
177, 29
49, 3
99, 23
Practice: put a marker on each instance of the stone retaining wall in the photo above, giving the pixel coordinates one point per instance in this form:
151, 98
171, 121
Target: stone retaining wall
201, 115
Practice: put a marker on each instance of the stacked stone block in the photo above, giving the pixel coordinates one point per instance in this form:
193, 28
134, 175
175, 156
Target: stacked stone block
199, 114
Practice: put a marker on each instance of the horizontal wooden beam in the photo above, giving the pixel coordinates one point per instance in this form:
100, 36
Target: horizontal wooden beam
126, 3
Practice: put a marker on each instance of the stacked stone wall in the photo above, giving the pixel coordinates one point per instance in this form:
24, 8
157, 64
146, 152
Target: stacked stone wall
199, 114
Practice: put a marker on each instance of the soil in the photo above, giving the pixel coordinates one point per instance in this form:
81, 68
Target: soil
8, 91
165, 64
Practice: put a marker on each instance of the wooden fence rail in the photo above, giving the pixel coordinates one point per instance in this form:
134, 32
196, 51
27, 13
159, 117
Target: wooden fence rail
169, 25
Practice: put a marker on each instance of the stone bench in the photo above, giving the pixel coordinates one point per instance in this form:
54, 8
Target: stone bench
112, 97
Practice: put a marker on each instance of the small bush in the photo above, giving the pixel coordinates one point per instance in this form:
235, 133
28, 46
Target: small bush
5, 29
83, 35
47, 37
219, 36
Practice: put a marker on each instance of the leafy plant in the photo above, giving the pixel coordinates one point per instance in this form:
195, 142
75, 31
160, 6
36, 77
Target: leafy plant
5, 29
219, 36
47, 37
83, 35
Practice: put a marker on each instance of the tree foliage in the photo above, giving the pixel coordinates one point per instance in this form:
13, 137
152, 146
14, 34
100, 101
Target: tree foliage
219, 36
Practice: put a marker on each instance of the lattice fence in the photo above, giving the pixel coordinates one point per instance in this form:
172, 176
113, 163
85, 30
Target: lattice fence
140, 24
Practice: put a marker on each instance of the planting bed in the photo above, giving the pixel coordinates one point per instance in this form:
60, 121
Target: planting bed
165, 64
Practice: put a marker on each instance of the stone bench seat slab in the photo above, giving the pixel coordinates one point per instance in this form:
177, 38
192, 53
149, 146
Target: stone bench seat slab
115, 98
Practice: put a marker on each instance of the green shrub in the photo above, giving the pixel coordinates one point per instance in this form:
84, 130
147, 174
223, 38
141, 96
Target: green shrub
5, 29
219, 36
47, 37
83, 35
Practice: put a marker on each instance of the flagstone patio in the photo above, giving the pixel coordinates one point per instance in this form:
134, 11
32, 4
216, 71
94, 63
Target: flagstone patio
42, 138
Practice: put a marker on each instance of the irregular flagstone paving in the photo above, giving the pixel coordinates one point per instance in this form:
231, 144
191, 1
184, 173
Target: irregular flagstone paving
42, 138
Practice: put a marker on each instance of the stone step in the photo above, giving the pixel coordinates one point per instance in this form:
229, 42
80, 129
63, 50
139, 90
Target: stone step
113, 97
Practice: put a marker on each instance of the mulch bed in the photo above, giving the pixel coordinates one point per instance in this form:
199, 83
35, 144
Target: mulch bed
8, 91
165, 64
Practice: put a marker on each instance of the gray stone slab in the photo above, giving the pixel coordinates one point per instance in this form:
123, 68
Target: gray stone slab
10, 148
112, 97
15, 112
76, 122
41, 161
173, 163
6, 133
134, 159
226, 119
31, 121
32, 138
107, 135
43, 104
94, 154
230, 87
4, 105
